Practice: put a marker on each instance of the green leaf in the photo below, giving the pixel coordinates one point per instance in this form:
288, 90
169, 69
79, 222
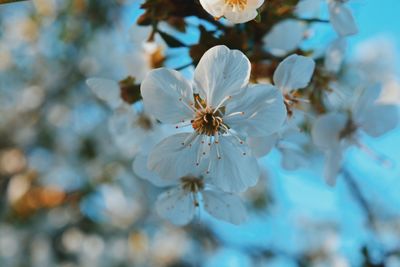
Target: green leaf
258, 17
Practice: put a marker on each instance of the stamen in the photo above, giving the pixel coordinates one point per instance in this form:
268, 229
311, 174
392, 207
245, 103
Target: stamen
221, 103
199, 103
183, 124
381, 159
223, 126
244, 153
189, 139
216, 141
216, 138
190, 107
236, 5
303, 100
209, 166
233, 114
238, 138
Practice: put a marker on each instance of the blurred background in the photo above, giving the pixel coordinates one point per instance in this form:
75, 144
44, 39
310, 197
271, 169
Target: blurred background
69, 196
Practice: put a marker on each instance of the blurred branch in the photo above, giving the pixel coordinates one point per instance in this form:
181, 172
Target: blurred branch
10, 1
313, 20
358, 195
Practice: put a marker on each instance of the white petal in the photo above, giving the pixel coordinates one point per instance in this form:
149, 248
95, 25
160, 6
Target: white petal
333, 165
264, 111
254, 3
234, 172
163, 92
285, 36
139, 167
326, 129
224, 206
294, 72
214, 7
122, 126
241, 16
106, 90
341, 19
308, 8
335, 54
293, 146
293, 159
366, 99
221, 72
379, 119
176, 206
261, 146
172, 160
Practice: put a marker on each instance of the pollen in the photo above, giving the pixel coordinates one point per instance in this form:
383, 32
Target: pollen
192, 184
207, 122
241, 4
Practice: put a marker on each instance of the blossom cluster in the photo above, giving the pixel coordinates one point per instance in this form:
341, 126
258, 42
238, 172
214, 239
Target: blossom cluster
201, 139
217, 111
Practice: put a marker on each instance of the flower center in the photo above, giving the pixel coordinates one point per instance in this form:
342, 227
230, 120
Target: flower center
192, 184
145, 122
207, 122
349, 129
241, 4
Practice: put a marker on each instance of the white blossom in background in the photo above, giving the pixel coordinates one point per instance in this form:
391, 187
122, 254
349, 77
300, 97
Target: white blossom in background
334, 132
341, 18
236, 11
118, 53
221, 111
293, 73
189, 193
294, 145
334, 55
375, 58
285, 36
308, 8
132, 131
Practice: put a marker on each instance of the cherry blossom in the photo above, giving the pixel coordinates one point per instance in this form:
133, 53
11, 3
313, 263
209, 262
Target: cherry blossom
334, 132
236, 11
189, 193
222, 109
132, 131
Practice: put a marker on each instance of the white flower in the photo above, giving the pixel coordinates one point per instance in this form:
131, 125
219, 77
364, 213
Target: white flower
285, 36
236, 11
131, 131
222, 109
335, 131
103, 57
190, 192
290, 141
334, 55
341, 18
293, 73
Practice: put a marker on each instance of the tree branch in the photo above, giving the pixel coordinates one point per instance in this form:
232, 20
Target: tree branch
10, 1
355, 189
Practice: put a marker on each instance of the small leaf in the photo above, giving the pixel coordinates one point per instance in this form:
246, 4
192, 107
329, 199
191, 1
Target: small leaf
258, 17
170, 40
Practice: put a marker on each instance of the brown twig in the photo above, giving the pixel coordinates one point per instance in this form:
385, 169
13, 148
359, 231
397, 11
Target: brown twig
358, 195
10, 1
